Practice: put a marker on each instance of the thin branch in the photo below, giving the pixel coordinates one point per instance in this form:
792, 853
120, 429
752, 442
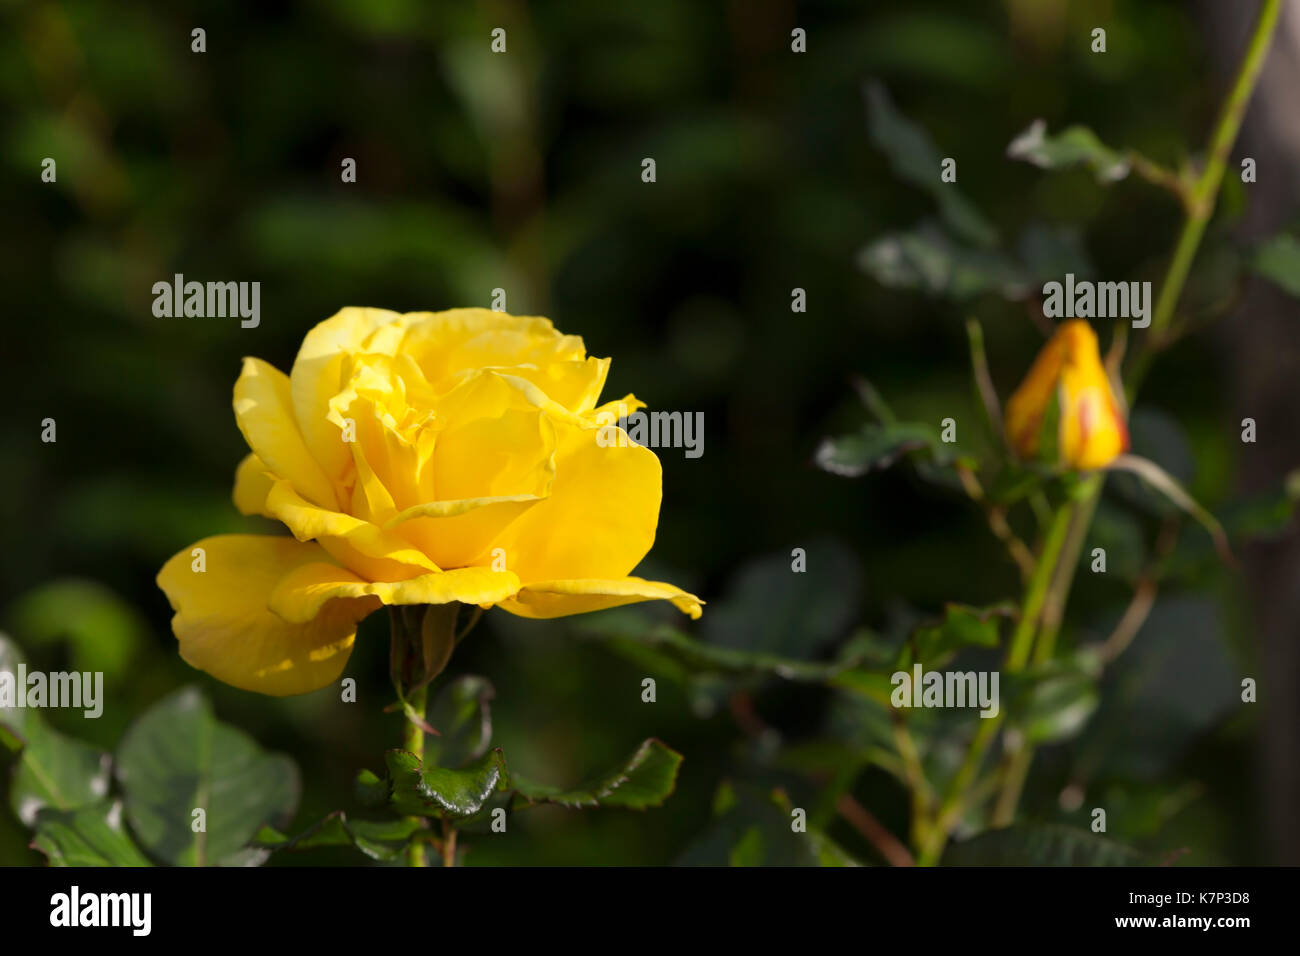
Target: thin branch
997, 519
1164, 177
1144, 597
872, 400
911, 760
983, 380
862, 820
922, 796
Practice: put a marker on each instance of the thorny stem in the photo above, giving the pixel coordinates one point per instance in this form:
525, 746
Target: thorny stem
413, 740
414, 663
1199, 204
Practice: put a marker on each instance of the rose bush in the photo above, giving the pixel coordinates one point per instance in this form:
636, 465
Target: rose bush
423, 458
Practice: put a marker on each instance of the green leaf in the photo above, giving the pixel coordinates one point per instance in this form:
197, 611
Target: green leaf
962, 626
12, 718
90, 836
645, 779
246, 857
1041, 845
683, 655
370, 790
462, 714
439, 792
103, 631
383, 840
1054, 703
824, 850
753, 828
1074, 146
875, 447
53, 770
1166, 484
927, 260
177, 758
871, 684
914, 158
1278, 260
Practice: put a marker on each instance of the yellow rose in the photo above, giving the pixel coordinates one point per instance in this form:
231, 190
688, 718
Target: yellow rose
417, 459
1091, 430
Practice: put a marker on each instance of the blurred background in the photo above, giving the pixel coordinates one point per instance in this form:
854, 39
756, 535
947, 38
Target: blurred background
522, 171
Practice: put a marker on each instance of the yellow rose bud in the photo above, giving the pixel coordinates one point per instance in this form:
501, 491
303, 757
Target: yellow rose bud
417, 459
1091, 431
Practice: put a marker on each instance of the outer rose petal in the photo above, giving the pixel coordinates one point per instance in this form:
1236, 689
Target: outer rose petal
1093, 430
600, 518
575, 385
225, 627
301, 594
252, 484
561, 598
264, 411
1028, 403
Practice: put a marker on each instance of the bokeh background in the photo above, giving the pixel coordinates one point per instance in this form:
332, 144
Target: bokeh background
523, 171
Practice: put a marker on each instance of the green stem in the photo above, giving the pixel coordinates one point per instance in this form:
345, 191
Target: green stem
423, 640
1036, 592
1059, 594
954, 800
1022, 641
413, 740
1206, 189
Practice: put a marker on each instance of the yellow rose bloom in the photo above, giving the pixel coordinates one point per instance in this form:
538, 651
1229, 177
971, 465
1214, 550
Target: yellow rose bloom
1092, 431
417, 459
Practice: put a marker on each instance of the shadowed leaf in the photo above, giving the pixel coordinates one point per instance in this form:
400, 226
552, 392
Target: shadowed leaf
645, 779
382, 840
1073, 146
1041, 845
927, 260
177, 759
1278, 260
439, 792
914, 158
91, 836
